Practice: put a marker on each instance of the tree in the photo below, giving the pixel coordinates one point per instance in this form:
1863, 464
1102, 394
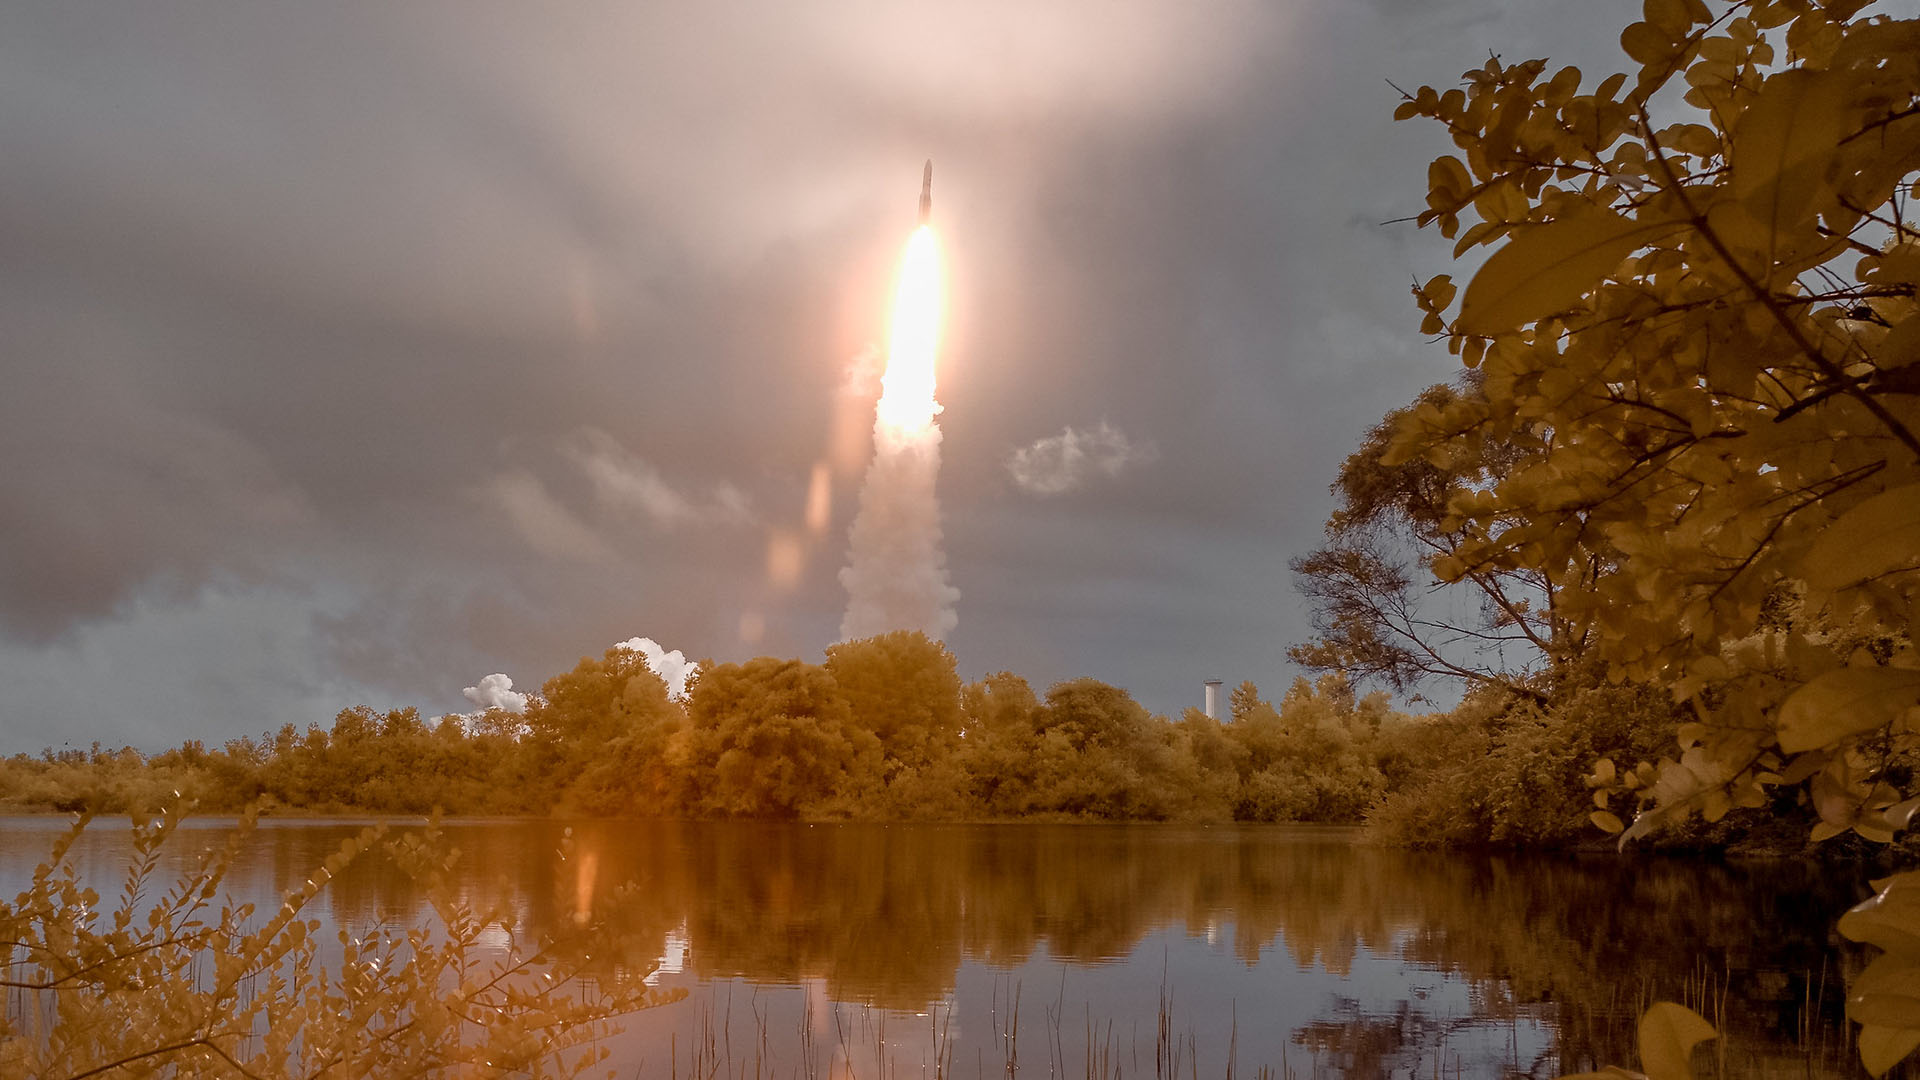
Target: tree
599, 732
1102, 754
1311, 759
1000, 733
1707, 323
1373, 606
771, 738
1244, 698
902, 687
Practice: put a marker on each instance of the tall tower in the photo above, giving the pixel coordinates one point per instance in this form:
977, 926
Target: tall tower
1213, 699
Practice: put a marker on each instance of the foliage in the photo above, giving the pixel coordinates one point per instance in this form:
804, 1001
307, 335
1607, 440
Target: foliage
603, 730
771, 738
1312, 759
774, 738
1374, 614
188, 983
902, 687
1509, 771
597, 702
1707, 325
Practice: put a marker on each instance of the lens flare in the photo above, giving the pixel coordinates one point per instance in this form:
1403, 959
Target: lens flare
906, 398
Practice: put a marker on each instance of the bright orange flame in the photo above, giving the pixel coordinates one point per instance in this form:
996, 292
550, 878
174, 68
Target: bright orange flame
906, 398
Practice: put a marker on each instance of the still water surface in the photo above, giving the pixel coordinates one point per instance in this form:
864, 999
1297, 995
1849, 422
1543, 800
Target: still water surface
815, 950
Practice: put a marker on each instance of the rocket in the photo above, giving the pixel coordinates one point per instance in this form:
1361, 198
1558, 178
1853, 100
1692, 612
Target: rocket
926, 193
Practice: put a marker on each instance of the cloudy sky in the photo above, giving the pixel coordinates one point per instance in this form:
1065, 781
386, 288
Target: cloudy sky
352, 352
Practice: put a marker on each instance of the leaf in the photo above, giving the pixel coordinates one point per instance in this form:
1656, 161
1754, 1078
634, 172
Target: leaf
1669, 15
1879, 535
1901, 816
1546, 268
1843, 703
1782, 146
1645, 43
1447, 174
1887, 993
1881, 1048
1668, 1034
1607, 821
1890, 918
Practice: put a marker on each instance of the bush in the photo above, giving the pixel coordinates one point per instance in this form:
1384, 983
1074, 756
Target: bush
181, 986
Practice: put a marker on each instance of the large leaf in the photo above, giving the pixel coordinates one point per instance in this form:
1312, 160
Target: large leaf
1887, 993
1668, 1034
1545, 268
1880, 535
1783, 146
1846, 702
1890, 918
1881, 1048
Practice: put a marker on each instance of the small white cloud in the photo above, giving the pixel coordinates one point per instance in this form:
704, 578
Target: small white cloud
496, 692
1061, 463
673, 667
624, 481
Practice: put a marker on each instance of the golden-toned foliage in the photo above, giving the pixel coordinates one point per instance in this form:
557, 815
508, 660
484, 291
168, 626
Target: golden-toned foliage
186, 982
1704, 312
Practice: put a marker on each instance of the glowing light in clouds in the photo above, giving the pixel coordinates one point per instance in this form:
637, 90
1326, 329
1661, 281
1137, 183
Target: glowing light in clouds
906, 399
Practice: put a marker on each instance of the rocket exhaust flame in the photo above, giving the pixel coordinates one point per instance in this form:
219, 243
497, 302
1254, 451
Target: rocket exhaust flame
906, 400
896, 574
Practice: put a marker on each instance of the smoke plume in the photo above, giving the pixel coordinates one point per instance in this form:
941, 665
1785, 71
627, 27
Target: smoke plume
896, 573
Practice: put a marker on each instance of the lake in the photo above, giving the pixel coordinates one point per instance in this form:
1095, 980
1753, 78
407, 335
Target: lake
865, 950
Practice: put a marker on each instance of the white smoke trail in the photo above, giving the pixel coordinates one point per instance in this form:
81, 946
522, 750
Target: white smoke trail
896, 573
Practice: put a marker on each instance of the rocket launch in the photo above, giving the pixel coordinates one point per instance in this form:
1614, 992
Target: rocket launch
896, 573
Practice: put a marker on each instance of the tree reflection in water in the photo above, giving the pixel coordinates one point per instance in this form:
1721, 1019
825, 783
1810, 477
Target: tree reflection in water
1301, 946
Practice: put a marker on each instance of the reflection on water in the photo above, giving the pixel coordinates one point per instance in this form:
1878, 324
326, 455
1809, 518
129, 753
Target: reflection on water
814, 949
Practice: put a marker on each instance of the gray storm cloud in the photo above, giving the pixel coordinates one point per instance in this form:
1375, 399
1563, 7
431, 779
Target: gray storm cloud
1065, 462
305, 311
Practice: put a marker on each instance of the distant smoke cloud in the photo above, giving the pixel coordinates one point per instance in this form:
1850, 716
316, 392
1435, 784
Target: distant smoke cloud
1065, 462
673, 667
496, 692
624, 481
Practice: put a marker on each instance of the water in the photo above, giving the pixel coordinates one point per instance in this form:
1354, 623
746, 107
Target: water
829, 950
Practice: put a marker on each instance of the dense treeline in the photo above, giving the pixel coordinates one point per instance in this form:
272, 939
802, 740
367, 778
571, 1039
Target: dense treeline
886, 729
883, 729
